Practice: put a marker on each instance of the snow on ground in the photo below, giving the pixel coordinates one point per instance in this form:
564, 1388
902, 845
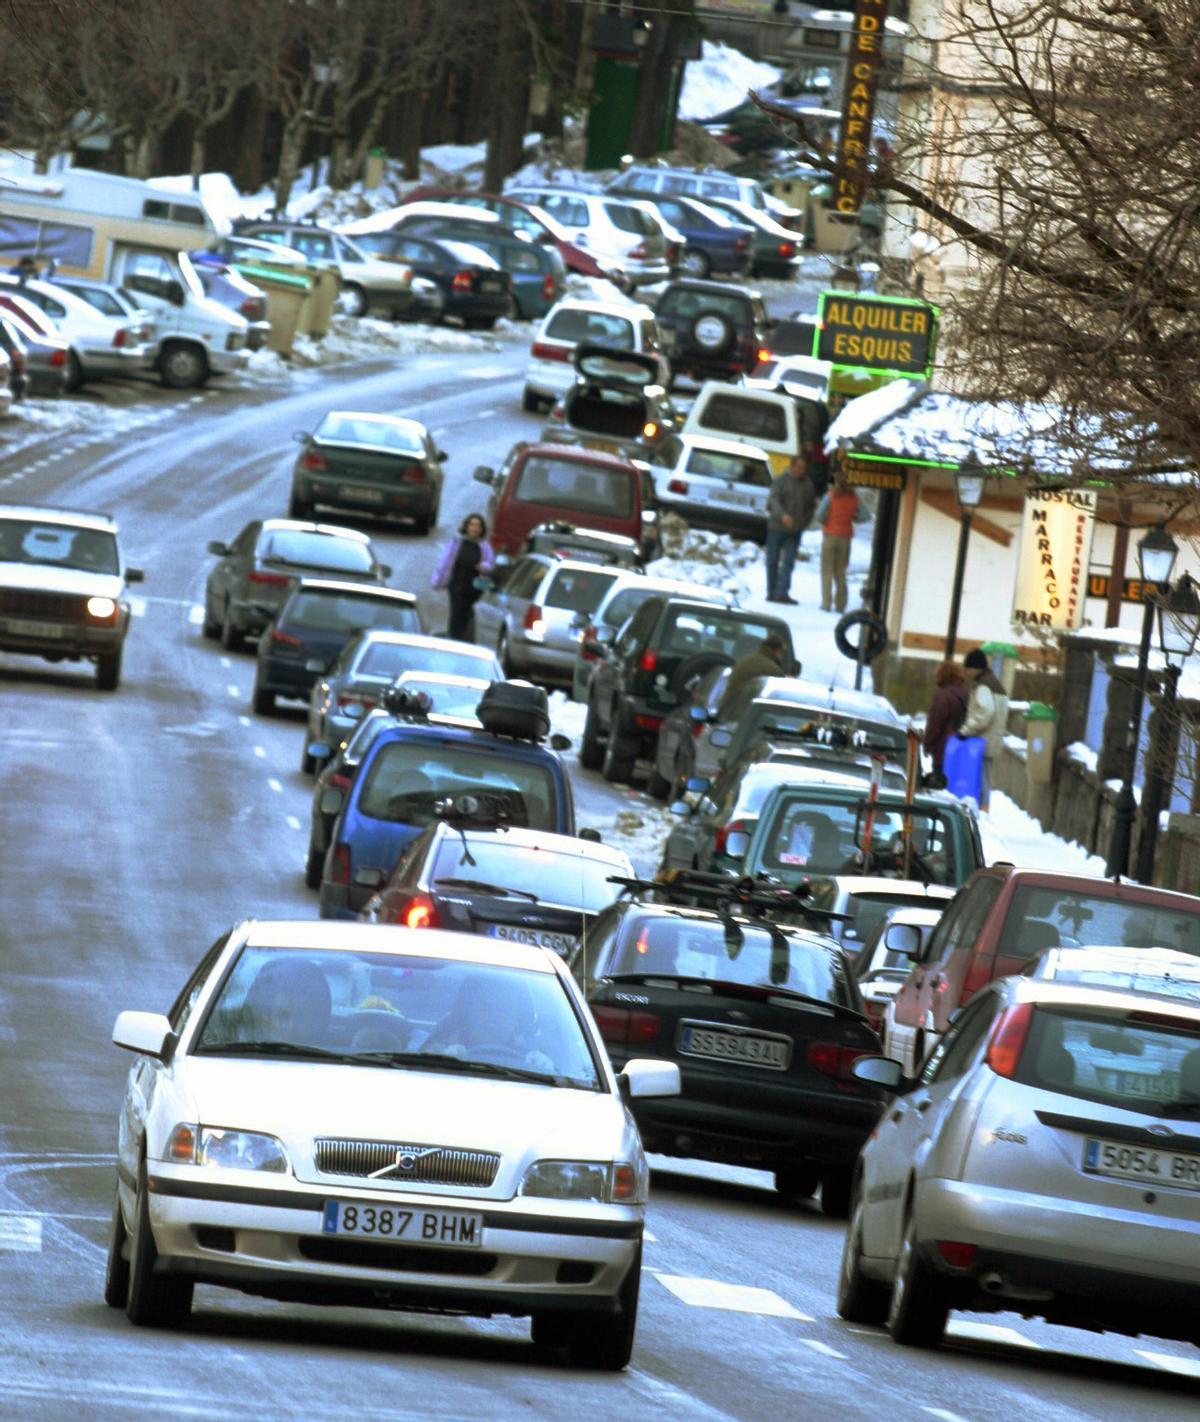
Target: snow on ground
719, 79
1010, 834
64, 420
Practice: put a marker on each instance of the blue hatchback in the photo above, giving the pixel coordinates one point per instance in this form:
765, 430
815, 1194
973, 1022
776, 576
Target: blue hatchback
408, 770
714, 242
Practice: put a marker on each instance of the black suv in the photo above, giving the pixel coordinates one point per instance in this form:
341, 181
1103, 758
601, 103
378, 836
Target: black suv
62, 585
640, 677
711, 331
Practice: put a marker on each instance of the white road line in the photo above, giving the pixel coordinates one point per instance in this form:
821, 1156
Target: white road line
260, 752
137, 606
293, 822
21, 1234
226, 663
823, 1348
244, 720
1185, 1367
196, 614
484, 372
649, 1237
989, 1333
275, 785
734, 1298
233, 690
942, 1414
485, 414
55, 1215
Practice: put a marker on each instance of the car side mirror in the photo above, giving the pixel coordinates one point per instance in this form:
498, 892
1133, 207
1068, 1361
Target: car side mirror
147, 1033
368, 878
385, 570
605, 635
484, 474
720, 739
903, 938
441, 456
135, 575
737, 842
644, 1077
560, 742
331, 801
882, 1071
300, 437
591, 835
218, 549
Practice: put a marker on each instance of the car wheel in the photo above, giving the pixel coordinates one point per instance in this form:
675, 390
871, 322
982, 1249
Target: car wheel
919, 1308
658, 787
231, 639
182, 367
531, 401
210, 627
797, 1182
354, 300
859, 1299
835, 1192
264, 700
297, 508
116, 1268
502, 656
591, 748
695, 262
314, 867
108, 670
74, 373
155, 1300
423, 524
600, 1340
307, 764
620, 756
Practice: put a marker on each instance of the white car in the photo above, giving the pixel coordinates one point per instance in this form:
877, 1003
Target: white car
627, 243
375, 1116
101, 346
619, 324
113, 300
882, 966
1045, 1162
719, 484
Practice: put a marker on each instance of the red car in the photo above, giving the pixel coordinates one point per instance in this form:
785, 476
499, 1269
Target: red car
542, 483
520, 217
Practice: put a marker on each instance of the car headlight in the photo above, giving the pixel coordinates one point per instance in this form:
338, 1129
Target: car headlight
624, 1182
102, 608
225, 1149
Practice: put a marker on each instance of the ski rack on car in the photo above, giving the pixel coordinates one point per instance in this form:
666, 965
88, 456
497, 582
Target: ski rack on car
725, 894
821, 731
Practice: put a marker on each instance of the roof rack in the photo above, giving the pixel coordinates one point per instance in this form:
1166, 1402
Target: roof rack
753, 896
845, 735
482, 809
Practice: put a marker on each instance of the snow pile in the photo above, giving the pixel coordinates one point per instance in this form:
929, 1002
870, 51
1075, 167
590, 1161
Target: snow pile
858, 416
719, 79
1012, 835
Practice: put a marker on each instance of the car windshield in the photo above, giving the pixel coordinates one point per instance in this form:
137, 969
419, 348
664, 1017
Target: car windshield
580, 488
391, 658
809, 835
450, 698
733, 468
99, 298
595, 328
407, 778
689, 631
744, 416
549, 875
415, 1013
684, 304
579, 589
1042, 917
317, 550
704, 948
1136, 1061
26, 540
361, 429
343, 612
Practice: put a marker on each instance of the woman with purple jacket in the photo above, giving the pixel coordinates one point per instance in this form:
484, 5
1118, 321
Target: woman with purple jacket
464, 559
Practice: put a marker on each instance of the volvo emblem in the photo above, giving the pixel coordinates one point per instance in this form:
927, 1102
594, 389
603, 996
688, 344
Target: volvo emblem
405, 1163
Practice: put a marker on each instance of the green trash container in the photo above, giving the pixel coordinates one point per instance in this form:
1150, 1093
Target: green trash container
1003, 657
286, 292
1041, 736
326, 287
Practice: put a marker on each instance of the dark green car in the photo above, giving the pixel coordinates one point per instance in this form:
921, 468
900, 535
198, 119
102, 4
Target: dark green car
376, 466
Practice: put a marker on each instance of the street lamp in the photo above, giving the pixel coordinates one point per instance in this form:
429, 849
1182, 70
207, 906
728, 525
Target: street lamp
1156, 560
1178, 632
968, 490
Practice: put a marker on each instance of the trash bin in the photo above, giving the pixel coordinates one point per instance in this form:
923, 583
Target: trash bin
1003, 658
827, 229
326, 286
375, 168
286, 293
1041, 736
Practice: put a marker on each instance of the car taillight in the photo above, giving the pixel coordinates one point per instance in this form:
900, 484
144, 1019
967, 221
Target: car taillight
340, 781
121, 337
548, 287
271, 580
764, 355
677, 486
672, 252
59, 358
419, 913
957, 1254
461, 282
638, 253
647, 723
834, 1060
648, 660
348, 698
543, 350
315, 462
412, 474
252, 308
721, 838
1008, 1040
283, 639
627, 1029
787, 249
534, 623
339, 862
558, 411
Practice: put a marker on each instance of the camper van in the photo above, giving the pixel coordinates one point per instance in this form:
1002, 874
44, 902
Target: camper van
128, 232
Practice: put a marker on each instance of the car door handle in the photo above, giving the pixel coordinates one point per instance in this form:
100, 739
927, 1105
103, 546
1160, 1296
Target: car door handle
923, 1106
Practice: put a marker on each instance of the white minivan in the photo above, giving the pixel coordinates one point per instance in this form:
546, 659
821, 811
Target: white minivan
620, 325
777, 423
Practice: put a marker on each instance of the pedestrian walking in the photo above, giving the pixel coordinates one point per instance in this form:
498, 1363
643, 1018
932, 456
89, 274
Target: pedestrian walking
836, 517
790, 507
767, 659
946, 713
987, 716
463, 563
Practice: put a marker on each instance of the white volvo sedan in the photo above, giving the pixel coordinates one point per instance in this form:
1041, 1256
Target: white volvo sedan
379, 1116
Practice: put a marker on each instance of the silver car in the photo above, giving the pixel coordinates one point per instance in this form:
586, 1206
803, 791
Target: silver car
718, 484
1045, 1162
530, 618
886, 958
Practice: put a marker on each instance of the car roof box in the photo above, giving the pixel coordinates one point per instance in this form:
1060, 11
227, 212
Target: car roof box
515, 708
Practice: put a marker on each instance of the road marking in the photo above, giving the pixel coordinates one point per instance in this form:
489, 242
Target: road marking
261, 752
137, 606
1185, 1367
226, 663
244, 720
649, 1237
293, 822
942, 1415
990, 1333
823, 1348
485, 372
22, 1234
196, 614
673, 1400
275, 785
232, 690
734, 1298
485, 414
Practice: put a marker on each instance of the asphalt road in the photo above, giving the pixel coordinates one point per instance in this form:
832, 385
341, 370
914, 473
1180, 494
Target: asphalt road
139, 825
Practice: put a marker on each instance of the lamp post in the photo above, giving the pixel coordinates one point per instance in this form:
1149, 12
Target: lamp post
968, 490
1156, 559
1178, 631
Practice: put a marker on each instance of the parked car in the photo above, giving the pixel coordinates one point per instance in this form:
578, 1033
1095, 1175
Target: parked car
376, 465
588, 545
529, 616
112, 300
616, 403
880, 969
99, 346
639, 678
520, 886
369, 286
1160, 972
62, 586
863, 901
545, 482
476, 288
319, 617
1032, 1169
779, 423
14, 376
710, 330
646, 181
551, 370
226, 285
617, 606
775, 250
718, 484
714, 243
626, 242
293, 1028
254, 575
764, 1037
46, 353
537, 272
335, 770
1002, 918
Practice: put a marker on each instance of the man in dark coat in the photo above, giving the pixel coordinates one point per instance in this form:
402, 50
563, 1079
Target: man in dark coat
946, 713
790, 507
765, 660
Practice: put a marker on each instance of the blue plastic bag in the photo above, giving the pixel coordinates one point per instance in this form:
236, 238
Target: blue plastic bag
963, 766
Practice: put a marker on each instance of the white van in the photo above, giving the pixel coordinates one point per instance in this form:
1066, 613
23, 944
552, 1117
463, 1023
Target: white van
130, 233
780, 424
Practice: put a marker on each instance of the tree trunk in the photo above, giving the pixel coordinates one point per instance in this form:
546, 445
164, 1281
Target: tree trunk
654, 83
356, 163
145, 153
510, 102
199, 134
291, 154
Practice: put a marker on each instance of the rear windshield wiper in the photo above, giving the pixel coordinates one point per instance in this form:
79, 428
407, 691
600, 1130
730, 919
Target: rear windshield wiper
484, 888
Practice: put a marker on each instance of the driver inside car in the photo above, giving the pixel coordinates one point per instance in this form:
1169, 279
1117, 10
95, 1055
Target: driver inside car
492, 1019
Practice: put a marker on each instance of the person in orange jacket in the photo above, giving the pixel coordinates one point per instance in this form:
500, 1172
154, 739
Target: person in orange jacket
836, 516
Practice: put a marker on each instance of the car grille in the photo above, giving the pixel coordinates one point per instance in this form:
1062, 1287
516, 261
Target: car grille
431, 1165
54, 607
